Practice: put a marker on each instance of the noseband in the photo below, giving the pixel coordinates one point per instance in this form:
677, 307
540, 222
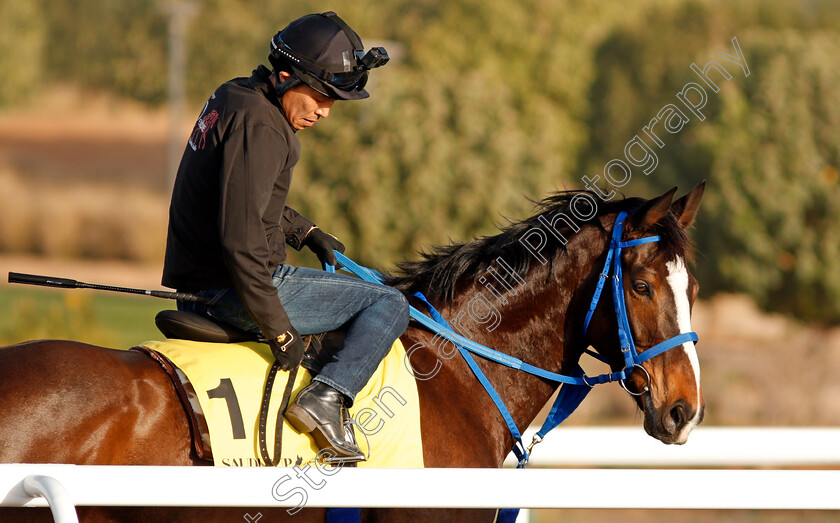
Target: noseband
575, 386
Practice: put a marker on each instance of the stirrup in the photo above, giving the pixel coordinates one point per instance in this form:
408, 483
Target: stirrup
350, 438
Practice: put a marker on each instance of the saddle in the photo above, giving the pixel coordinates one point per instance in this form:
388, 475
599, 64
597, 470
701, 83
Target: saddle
183, 325
224, 400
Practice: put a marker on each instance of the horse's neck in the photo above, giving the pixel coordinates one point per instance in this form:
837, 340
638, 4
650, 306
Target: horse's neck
537, 319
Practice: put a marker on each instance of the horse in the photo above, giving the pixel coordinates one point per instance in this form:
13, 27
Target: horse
526, 292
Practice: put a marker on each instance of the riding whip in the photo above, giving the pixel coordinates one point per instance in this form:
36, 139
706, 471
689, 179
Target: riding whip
64, 283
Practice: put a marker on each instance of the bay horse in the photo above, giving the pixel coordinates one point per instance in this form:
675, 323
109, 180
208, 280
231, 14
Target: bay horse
69, 402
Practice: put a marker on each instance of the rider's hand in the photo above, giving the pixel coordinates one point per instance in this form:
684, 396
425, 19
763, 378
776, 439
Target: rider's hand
323, 245
288, 348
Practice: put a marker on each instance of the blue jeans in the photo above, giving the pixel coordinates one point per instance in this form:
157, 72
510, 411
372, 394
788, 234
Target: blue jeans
318, 301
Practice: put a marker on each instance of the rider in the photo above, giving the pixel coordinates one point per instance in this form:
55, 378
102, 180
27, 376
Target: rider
228, 222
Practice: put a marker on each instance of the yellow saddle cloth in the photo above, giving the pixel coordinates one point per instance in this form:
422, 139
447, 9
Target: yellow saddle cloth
229, 378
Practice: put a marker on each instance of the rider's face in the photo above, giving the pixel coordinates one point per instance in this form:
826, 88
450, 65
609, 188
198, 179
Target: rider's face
304, 105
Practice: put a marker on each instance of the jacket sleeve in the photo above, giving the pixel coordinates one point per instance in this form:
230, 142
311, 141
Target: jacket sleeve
296, 227
249, 170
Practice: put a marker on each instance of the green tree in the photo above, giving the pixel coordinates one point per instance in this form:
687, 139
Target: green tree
108, 45
22, 39
766, 145
771, 220
487, 103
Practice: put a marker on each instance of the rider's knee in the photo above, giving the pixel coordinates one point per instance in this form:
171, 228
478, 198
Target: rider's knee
401, 308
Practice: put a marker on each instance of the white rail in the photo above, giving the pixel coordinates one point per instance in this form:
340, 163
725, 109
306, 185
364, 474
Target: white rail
54, 493
64, 486
435, 488
706, 447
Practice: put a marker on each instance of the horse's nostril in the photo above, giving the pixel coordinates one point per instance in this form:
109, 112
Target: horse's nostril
677, 416
674, 419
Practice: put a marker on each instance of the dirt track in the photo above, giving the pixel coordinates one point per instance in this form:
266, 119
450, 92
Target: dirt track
70, 139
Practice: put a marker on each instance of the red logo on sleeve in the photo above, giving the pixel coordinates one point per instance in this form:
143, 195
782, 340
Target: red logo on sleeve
202, 126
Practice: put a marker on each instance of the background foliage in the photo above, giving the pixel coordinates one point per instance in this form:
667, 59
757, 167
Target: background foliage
489, 103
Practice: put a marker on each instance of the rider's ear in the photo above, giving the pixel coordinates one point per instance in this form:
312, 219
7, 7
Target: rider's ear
654, 210
686, 207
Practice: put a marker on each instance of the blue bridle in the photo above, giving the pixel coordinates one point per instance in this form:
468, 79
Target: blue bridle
632, 357
574, 387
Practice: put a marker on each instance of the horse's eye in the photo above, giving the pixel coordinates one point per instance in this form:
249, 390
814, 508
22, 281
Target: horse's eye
641, 288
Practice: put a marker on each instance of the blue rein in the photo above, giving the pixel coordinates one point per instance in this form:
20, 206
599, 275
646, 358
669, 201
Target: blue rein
575, 386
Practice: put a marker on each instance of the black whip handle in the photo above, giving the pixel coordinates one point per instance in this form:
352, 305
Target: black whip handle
46, 281
65, 283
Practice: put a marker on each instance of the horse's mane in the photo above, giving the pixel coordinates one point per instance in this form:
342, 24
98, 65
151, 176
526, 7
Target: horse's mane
438, 272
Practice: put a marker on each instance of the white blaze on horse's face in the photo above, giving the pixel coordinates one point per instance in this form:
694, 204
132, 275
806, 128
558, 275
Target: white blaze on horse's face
678, 281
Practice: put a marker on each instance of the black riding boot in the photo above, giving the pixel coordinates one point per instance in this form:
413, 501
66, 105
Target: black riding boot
319, 409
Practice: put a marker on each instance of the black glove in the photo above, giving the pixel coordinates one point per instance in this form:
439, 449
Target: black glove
288, 348
323, 245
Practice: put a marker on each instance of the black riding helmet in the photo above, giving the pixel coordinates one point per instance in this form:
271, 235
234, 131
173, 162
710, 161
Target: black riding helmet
322, 51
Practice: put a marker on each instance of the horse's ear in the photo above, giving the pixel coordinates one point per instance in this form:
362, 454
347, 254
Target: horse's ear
654, 210
686, 207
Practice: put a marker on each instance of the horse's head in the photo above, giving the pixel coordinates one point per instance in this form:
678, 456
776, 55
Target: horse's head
659, 293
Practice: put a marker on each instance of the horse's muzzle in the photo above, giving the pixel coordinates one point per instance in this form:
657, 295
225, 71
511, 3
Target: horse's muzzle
673, 423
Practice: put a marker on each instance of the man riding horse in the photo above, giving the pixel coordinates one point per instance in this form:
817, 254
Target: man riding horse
229, 223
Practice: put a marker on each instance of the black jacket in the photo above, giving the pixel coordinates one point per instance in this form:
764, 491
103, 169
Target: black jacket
228, 220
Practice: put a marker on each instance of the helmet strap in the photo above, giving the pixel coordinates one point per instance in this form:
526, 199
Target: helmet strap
351, 35
282, 87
